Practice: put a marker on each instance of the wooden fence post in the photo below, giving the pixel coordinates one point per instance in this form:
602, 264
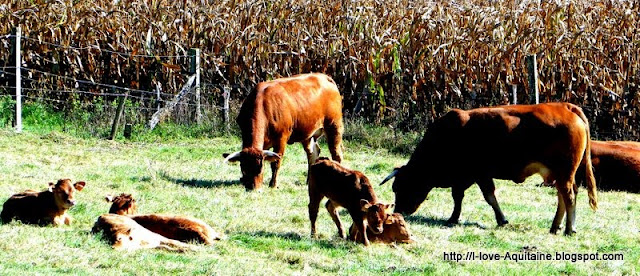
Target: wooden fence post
514, 92
226, 93
532, 68
116, 120
195, 69
18, 120
158, 99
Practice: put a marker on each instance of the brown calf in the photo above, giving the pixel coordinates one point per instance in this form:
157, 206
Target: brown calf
46, 207
180, 228
349, 189
616, 166
395, 230
124, 204
124, 233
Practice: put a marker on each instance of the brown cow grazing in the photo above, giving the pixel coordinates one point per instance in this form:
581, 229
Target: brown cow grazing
124, 204
46, 207
180, 228
504, 142
287, 110
349, 189
616, 166
124, 233
395, 230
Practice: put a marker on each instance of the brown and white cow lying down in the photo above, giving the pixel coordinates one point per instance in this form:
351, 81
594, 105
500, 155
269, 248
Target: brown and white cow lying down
616, 165
122, 232
179, 228
395, 230
349, 189
504, 142
287, 110
46, 207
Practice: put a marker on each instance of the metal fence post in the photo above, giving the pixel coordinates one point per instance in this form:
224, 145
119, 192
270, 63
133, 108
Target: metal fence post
18, 34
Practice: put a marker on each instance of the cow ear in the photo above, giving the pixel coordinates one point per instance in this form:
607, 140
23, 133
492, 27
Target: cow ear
79, 185
389, 206
51, 186
231, 157
108, 198
364, 205
390, 220
270, 156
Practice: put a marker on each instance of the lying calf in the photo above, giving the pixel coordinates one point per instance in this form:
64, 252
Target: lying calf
46, 207
180, 228
395, 231
349, 189
124, 233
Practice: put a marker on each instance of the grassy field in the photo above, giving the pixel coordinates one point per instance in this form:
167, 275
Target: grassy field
268, 231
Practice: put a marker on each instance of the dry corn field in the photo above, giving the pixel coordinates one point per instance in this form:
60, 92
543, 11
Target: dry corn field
398, 63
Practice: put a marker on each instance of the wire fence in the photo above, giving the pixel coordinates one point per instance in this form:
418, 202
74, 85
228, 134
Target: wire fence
57, 90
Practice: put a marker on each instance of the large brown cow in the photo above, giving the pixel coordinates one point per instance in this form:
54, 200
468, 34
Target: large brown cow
616, 165
287, 110
504, 142
46, 207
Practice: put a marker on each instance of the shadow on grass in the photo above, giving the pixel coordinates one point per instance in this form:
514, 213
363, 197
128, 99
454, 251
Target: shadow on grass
296, 237
200, 183
440, 222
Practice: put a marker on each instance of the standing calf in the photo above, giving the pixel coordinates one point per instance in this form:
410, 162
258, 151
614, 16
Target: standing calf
349, 189
46, 207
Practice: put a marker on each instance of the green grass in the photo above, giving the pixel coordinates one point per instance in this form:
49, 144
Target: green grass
268, 231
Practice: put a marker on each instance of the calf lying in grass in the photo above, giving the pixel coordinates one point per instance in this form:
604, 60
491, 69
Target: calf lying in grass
43, 208
180, 228
349, 189
123, 204
123, 232
395, 231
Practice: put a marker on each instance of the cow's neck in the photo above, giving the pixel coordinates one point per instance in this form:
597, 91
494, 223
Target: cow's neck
254, 135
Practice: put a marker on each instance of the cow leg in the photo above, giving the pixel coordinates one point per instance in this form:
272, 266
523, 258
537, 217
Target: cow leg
488, 187
458, 195
314, 205
333, 212
278, 148
312, 150
361, 225
570, 204
333, 130
557, 220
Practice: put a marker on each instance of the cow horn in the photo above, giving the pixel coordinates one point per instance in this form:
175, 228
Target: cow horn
230, 156
391, 175
269, 153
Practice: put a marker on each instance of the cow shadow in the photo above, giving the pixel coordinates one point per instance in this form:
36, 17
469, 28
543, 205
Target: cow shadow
336, 243
200, 183
440, 222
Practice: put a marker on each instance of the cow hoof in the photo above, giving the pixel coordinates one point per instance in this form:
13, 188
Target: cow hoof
554, 230
451, 222
569, 233
502, 223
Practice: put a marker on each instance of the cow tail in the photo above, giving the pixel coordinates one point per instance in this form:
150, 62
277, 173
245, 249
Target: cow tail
590, 178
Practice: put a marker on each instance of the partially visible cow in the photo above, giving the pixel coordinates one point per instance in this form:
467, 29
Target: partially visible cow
123, 232
504, 142
287, 110
123, 204
181, 228
349, 189
395, 230
46, 207
616, 166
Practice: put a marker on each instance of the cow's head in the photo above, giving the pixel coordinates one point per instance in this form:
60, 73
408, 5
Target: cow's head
124, 204
409, 194
63, 192
396, 227
251, 160
376, 214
